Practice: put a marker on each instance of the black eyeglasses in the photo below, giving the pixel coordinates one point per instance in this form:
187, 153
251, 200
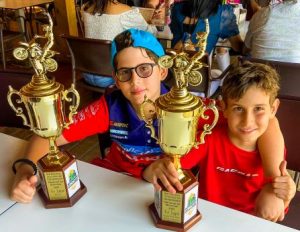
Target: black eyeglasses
142, 70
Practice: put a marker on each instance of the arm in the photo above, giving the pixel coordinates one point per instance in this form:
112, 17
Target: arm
268, 205
271, 148
284, 186
237, 43
86, 123
254, 6
163, 170
24, 185
151, 3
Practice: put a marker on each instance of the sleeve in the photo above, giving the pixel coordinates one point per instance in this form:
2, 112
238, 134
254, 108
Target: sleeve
91, 120
256, 24
134, 19
228, 22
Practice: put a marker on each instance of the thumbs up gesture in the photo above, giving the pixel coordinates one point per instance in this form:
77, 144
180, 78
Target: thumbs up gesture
284, 187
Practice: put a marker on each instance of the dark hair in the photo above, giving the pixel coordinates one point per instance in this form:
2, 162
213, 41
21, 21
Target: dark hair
98, 6
200, 8
241, 78
124, 40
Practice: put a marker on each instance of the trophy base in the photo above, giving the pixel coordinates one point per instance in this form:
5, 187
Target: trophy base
51, 204
181, 227
178, 212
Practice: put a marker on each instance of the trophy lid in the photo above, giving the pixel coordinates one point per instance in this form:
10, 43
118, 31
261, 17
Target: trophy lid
178, 100
41, 86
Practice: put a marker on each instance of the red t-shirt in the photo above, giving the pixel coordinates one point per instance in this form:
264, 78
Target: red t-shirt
228, 175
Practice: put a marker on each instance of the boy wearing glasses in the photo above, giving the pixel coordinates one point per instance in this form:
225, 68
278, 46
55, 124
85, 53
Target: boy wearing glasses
134, 57
230, 166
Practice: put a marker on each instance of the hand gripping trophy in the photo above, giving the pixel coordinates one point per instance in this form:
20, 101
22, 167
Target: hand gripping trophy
44, 100
178, 113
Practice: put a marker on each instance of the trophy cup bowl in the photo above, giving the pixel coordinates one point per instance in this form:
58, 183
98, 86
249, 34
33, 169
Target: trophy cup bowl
178, 113
44, 101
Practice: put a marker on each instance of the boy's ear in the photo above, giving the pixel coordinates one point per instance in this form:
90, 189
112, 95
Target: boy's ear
115, 78
222, 106
274, 107
163, 73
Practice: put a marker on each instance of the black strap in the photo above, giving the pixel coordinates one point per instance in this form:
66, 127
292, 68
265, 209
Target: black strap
26, 161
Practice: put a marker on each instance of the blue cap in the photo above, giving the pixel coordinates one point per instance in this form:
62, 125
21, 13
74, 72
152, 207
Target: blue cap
141, 39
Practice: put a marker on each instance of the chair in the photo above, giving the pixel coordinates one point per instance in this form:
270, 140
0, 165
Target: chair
7, 36
89, 56
205, 85
79, 19
289, 73
288, 116
16, 79
289, 120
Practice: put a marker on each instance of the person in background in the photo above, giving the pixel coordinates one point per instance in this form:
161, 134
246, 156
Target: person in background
104, 19
273, 32
252, 6
230, 166
134, 55
187, 18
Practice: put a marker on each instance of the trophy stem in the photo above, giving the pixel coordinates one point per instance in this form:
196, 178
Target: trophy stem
55, 156
176, 161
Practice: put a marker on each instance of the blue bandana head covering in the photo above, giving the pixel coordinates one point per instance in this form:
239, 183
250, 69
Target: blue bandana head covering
141, 39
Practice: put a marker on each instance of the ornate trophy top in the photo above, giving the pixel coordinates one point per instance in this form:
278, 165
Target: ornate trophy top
186, 72
41, 60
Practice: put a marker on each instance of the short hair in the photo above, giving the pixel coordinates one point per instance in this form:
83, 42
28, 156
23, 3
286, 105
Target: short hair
125, 40
97, 6
200, 8
241, 78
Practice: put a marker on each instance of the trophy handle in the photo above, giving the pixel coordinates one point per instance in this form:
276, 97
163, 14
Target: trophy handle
148, 114
206, 127
73, 107
18, 110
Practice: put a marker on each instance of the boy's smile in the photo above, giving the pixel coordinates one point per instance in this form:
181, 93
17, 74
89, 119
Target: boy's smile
248, 117
136, 88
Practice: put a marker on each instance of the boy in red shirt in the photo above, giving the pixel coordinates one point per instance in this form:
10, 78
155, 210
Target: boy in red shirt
230, 166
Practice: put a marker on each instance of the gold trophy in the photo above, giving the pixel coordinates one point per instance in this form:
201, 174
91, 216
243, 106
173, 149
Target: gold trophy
44, 101
178, 113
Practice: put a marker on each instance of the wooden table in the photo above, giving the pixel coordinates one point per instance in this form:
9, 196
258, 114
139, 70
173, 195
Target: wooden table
18, 4
114, 202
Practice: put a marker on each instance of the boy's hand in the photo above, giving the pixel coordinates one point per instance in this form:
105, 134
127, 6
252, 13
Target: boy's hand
23, 188
268, 205
163, 170
284, 187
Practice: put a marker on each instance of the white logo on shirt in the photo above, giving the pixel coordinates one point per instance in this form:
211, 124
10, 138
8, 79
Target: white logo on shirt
232, 170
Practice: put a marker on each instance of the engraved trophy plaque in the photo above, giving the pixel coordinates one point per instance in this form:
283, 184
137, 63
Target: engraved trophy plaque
44, 100
178, 113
